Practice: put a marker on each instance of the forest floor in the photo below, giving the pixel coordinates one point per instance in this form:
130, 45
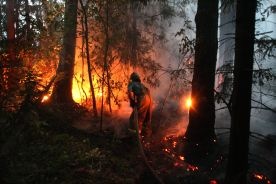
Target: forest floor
57, 146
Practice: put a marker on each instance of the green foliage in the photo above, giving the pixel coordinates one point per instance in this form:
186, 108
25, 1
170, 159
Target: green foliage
42, 154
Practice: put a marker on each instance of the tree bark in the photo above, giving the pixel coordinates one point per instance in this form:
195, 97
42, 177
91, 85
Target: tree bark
202, 113
106, 48
10, 74
11, 29
241, 100
88, 61
28, 22
62, 91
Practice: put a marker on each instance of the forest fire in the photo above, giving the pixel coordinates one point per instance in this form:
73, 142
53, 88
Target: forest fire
74, 112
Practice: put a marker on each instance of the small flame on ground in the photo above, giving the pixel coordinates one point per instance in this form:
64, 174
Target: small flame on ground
174, 144
262, 178
45, 98
167, 150
192, 168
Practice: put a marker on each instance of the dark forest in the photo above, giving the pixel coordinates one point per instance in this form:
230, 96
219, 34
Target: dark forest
137, 91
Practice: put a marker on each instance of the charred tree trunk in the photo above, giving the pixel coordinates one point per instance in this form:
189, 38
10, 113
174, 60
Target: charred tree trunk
88, 61
241, 101
62, 91
202, 113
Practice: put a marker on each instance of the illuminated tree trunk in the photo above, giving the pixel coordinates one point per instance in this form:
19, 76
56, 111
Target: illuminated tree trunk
241, 101
88, 60
202, 113
105, 63
62, 91
106, 48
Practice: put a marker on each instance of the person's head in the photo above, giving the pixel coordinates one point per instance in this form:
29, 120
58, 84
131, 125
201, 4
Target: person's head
135, 77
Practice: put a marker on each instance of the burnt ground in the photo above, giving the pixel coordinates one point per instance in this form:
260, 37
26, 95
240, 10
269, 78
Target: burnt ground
61, 147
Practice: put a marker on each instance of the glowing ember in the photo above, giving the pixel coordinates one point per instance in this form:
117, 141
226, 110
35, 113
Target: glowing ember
181, 158
261, 178
45, 98
167, 150
258, 176
188, 103
192, 168
213, 182
177, 164
174, 144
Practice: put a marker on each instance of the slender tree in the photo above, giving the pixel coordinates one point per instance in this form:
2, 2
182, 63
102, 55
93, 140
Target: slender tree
106, 65
202, 113
10, 73
241, 101
62, 91
28, 20
86, 33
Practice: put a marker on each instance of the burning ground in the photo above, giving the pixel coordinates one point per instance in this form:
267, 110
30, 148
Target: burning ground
47, 149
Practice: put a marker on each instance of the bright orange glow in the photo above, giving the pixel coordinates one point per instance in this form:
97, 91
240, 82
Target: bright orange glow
181, 158
189, 103
174, 144
45, 98
81, 93
258, 176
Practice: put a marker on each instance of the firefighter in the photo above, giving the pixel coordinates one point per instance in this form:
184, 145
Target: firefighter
139, 96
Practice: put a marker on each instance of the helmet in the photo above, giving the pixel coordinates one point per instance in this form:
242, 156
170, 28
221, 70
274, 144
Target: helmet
135, 77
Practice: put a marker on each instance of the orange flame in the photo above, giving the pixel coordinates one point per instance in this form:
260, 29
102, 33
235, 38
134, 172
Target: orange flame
188, 103
45, 98
262, 178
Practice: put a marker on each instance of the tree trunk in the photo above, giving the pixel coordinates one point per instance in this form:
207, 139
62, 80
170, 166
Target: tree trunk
10, 74
106, 48
88, 61
202, 113
11, 29
62, 91
28, 22
134, 33
241, 101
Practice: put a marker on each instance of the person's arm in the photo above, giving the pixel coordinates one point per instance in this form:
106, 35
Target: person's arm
132, 99
131, 95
